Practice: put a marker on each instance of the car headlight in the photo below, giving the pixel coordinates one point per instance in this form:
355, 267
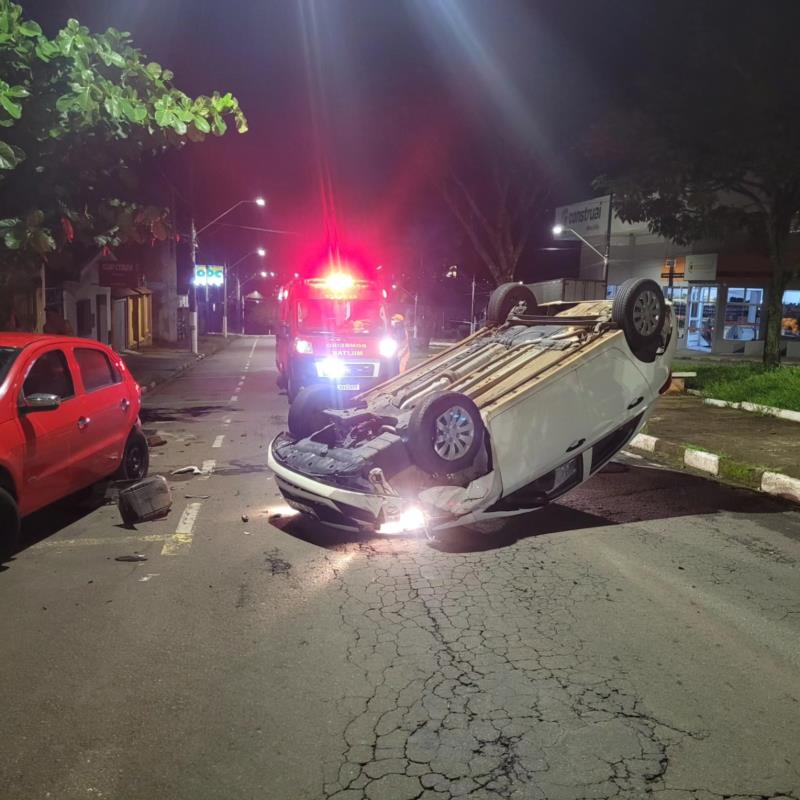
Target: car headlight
331, 368
304, 347
387, 347
410, 521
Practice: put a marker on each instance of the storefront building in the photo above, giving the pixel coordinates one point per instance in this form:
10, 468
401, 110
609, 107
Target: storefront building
718, 290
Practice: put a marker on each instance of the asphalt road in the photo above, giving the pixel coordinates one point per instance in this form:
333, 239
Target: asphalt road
640, 638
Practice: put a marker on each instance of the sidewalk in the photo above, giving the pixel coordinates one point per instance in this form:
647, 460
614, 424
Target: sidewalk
736, 446
154, 365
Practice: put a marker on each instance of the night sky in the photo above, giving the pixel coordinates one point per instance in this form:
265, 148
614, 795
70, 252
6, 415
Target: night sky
381, 96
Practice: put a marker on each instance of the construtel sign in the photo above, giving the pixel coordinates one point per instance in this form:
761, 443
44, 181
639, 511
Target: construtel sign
589, 218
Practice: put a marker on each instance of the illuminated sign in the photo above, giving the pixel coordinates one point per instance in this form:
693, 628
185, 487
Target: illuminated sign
589, 218
207, 275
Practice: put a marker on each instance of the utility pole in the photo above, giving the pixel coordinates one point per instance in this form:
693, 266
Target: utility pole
225, 299
472, 307
193, 296
607, 254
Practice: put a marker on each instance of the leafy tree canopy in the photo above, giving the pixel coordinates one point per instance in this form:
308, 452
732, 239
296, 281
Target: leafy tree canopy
78, 113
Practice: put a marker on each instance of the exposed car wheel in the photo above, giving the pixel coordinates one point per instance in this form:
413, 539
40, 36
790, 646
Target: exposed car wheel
135, 458
640, 310
292, 388
445, 433
9, 525
306, 413
505, 297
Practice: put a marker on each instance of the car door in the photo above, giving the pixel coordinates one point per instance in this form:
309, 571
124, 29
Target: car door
47, 438
106, 403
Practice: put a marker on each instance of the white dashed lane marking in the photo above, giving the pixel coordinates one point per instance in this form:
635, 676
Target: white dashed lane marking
207, 469
234, 398
182, 538
218, 441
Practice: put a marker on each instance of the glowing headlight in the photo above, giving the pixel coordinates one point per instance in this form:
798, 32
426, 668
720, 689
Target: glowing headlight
331, 368
387, 347
411, 520
304, 347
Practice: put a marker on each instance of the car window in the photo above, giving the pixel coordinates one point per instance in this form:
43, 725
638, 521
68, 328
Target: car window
7, 356
96, 370
49, 375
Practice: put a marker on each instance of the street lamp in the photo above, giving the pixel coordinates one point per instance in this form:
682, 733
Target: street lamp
261, 203
559, 229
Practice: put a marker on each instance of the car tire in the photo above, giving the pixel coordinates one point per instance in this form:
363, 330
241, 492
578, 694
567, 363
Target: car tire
640, 310
9, 525
445, 433
504, 298
307, 411
292, 388
135, 458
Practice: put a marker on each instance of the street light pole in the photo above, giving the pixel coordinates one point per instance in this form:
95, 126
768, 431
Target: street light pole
559, 229
472, 307
225, 300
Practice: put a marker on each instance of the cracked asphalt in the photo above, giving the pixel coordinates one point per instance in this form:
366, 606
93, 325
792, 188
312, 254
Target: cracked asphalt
639, 639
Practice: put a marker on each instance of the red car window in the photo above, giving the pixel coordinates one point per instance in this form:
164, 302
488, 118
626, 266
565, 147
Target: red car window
49, 375
96, 370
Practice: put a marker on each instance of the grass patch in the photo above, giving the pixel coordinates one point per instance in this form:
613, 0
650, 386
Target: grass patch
745, 383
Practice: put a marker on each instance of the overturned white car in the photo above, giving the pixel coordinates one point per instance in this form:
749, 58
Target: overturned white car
499, 424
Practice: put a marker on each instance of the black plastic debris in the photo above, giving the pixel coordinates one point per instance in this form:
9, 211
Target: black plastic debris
135, 557
146, 500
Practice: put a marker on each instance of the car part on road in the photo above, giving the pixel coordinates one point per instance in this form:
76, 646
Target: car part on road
192, 469
9, 524
136, 557
135, 458
146, 500
445, 433
640, 310
505, 298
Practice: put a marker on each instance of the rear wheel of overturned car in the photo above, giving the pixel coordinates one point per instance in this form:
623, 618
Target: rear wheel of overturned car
9, 525
640, 310
307, 411
445, 433
135, 458
505, 298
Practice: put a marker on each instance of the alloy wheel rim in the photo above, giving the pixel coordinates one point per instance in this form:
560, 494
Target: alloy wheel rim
646, 313
454, 433
135, 462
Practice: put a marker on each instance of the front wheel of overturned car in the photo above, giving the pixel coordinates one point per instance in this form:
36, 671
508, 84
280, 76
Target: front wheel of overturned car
307, 411
445, 433
9, 525
640, 310
505, 298
135, 458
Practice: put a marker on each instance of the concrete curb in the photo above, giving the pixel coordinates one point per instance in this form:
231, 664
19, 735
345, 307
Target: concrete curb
780, 413
150, 387
719, 466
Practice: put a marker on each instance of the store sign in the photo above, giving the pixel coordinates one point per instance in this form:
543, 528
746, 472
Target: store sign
701, 268
589, 218
207, 275
119, 276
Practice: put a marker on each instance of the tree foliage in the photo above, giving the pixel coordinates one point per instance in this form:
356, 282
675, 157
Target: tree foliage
705, 145
78, 113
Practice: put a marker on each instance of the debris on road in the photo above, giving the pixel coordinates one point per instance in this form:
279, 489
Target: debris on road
245, 518
196, 496
146, 500
191, 469
147, 577
155, 440
135, 558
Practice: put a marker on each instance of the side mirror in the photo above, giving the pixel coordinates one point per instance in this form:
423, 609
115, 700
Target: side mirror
40, 402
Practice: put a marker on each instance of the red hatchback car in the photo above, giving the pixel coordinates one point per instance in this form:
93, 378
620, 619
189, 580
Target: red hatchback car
69, 417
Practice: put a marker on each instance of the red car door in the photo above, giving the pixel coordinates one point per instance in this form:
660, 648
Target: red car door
107, 407
47, 438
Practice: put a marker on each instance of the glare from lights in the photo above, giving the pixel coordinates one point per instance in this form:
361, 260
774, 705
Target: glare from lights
260, 202
387, 347
261, 252
304, 347
384, 293
332, 368
410, 521
339, 281
263, 274
558, 230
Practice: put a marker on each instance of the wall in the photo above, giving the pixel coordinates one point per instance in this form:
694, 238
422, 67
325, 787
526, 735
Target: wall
160, 269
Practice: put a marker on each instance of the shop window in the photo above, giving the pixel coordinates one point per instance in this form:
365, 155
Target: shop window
791, 313
743, 314
678, 294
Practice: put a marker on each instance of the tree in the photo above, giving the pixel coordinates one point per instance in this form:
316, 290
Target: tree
706, 145
497, 208
79, 113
